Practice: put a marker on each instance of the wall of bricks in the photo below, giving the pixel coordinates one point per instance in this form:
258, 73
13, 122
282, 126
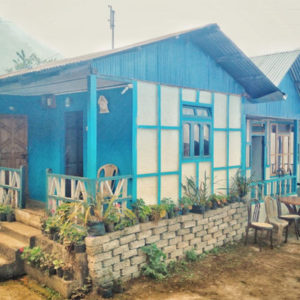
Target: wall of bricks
118, 254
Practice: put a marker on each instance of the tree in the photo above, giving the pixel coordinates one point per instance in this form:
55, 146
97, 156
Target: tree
26, 62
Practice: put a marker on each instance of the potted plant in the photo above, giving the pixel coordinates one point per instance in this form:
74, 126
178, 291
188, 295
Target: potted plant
127, 219
186, 205
58, 266
10, 214
241, 186
169, 206
2, 213
68, 271
94, 217
141, 210
158, 212
74, 235
112, 215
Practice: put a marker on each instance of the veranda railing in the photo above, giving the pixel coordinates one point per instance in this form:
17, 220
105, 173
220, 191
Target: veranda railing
64, 188
12, 186
285, 186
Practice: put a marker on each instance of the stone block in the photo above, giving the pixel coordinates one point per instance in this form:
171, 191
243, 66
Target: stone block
94, 241
213, 229
168, 235
122, 265
147, 226
131, 229
120, 250
128, 254
182, 245
144, 234
115, 235
173, 221
127, 239
211, 241
183, 231
186, 218
197, 228
208, 248
110, 245
174, 227
189, 224
169, 249
176, 254
188, 237
152, 239
162, 243
201, 221
201, 233
159, 230
111, 261
136, 244
206, 237
217, 234
100, 257
137, 260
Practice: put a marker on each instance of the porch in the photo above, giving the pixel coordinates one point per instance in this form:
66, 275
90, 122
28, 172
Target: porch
57, 129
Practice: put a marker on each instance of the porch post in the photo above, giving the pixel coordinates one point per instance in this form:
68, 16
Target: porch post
91, 151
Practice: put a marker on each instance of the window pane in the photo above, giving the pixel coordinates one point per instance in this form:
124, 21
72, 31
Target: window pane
285, 144
273, 165
206, 138
273, 143
202, 112
186, 139
279, 145
291, 149
196, 140
188, 111
247, 156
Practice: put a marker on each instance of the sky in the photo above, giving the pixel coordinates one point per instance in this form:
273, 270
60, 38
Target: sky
77, 27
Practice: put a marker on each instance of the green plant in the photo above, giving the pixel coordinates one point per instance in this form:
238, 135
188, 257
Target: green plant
141, 209
156, 267
74, 234
128, 218
168, 204
240, 184
191, 255
158, 212
185, 202
32, 256
58, 264
112, 213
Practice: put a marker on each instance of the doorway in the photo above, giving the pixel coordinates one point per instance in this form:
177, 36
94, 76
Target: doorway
257, 170
74, 143
13, 141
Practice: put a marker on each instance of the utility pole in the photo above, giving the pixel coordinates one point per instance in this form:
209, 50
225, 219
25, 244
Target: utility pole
112, 26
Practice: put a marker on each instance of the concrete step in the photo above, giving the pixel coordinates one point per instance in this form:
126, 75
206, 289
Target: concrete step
10, 268
20, 231
9, 246
29, 217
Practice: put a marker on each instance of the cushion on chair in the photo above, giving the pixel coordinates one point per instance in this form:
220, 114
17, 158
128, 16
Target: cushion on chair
262, 225
290, 217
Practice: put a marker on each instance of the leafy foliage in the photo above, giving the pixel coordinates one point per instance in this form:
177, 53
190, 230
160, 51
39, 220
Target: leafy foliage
240, 184
191, 255
156, 267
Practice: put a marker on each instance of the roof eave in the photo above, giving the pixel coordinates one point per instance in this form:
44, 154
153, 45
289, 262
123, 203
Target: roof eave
275, 96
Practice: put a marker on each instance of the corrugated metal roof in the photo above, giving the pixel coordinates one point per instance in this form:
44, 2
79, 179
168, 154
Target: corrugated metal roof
213, 42
295, 72
276, 65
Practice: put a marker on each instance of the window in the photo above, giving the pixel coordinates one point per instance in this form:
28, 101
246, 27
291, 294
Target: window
196, 131
281, 148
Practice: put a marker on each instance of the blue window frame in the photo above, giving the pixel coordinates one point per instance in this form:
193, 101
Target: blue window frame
196, 131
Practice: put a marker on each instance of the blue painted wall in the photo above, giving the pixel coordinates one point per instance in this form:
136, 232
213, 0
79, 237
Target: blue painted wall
175, 61
114, 131
46, 134
289, 109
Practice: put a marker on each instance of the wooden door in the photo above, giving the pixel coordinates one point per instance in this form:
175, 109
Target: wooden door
13, 141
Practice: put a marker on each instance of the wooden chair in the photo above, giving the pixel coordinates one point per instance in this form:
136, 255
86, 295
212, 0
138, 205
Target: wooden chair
272, 217
253, 222
290, 218
107, 187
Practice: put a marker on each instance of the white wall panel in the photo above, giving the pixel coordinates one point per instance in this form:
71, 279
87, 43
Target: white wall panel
220, 110
234, 148
219, 149
169, 187
188, 170
235, 112
189, 95
169, 106
147, 104
205, 169
146, 151
147, 189
267, 173
169, 150
220, 183
232, 173
205, 97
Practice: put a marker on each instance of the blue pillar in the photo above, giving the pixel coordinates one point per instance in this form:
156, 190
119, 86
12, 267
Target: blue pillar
91, 151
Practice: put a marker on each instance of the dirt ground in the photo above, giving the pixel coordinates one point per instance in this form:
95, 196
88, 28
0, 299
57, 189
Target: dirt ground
234, 272
239, 273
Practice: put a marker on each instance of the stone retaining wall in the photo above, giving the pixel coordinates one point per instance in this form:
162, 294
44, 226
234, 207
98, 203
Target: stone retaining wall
118, 254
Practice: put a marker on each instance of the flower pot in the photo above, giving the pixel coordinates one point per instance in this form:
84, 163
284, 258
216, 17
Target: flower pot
96, 229
144, 219
68, 275
52, 271
171, 214
107, 293
60, 272
10, 217
198, 209
109, 227
80, 248
2, 216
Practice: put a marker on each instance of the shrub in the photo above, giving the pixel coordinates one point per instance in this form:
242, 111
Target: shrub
191, 255
156, 267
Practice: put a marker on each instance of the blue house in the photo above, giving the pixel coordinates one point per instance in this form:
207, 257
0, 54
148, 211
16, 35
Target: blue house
186, 104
